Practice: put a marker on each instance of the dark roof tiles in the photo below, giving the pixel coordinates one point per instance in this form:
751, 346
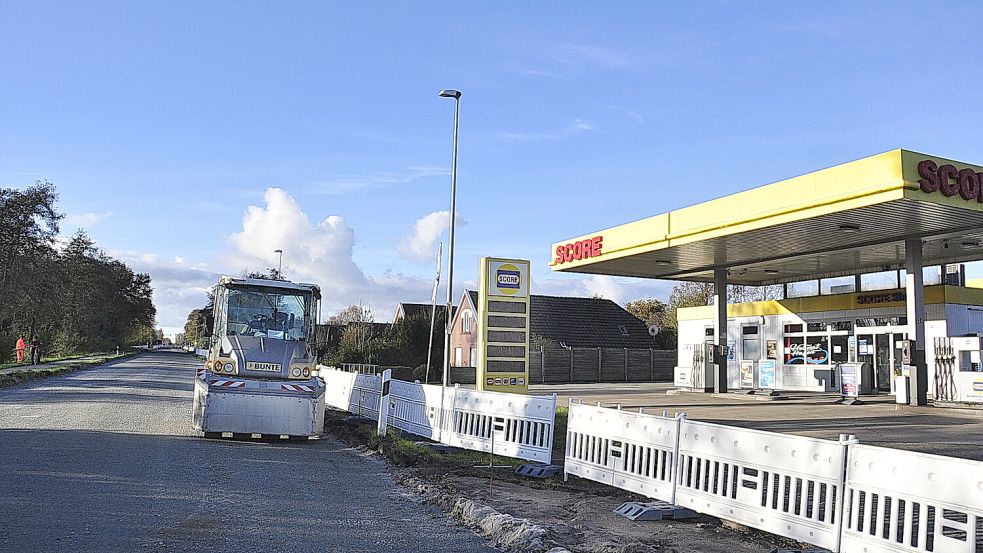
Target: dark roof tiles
587, 322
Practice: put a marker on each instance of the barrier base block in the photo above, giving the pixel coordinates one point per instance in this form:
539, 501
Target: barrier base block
538, 471
655, 510
849, 401
787, 550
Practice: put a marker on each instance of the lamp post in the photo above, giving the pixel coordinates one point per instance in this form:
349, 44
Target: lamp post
456, 94
279, 268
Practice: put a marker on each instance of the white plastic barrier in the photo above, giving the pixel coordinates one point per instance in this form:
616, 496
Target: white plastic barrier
516, 425
903, 501
201, 352
356, 393
513, 425
337, 387
843, 496
632, 451
415, 408
784, 484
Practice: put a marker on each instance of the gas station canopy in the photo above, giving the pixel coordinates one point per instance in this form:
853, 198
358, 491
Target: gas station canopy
845, 220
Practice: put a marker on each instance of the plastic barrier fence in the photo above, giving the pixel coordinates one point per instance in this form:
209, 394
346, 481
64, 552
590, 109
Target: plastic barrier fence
843, 496
783, 484
513, 425
901, 501
356, 393
632, 451
415, 408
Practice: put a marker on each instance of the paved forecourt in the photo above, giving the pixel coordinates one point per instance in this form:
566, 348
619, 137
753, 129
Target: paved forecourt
955, 432
105, 460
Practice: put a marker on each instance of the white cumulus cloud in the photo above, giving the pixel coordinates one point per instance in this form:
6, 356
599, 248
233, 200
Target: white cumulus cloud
320, 253
420, 244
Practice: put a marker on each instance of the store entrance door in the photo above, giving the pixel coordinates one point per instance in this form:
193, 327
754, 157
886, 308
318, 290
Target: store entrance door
880, 352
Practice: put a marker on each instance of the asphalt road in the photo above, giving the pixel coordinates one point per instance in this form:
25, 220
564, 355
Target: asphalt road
106, 460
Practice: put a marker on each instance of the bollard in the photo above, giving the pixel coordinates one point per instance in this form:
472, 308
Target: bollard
384, 402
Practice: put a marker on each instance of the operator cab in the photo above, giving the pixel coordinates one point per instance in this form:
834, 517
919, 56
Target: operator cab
264, 328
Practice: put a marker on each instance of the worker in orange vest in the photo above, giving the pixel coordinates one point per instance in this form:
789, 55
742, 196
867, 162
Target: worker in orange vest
21, 346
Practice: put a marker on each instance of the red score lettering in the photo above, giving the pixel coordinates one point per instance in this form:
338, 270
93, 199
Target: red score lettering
950, 181
581, 249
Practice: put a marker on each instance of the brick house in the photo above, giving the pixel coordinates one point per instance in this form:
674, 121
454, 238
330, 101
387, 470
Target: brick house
464, 331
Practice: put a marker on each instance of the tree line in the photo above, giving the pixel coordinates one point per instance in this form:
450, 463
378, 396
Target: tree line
72, 297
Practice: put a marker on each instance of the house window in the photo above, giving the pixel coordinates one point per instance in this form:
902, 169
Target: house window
474, 357
467, 322
458, 352
624, 331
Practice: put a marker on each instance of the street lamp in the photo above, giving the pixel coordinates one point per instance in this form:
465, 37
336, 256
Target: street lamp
456, 94
279, 269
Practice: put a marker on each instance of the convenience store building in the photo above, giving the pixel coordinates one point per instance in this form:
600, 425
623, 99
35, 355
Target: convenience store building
860, 257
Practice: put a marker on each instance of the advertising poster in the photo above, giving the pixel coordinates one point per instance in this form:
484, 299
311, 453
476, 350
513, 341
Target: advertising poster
862, 346
731, 351
772, 349
766, 374
747, 374
848, 380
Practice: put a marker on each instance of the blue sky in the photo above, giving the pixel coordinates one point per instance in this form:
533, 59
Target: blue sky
162, 122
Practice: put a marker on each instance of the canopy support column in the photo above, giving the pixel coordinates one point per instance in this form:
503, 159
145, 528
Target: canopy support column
720, 331
915, 294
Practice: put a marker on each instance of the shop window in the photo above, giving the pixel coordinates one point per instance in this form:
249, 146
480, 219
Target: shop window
816, 327
883, 321
803, 288
817, 350
931, 276
795, 350
885, 280
837, 285
708, 332
842, 325
793, 328
750, 344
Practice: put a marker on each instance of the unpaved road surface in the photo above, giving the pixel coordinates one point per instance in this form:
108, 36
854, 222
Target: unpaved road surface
105, 460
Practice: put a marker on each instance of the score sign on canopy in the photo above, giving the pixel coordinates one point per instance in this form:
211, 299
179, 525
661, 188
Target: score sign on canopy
581, 249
